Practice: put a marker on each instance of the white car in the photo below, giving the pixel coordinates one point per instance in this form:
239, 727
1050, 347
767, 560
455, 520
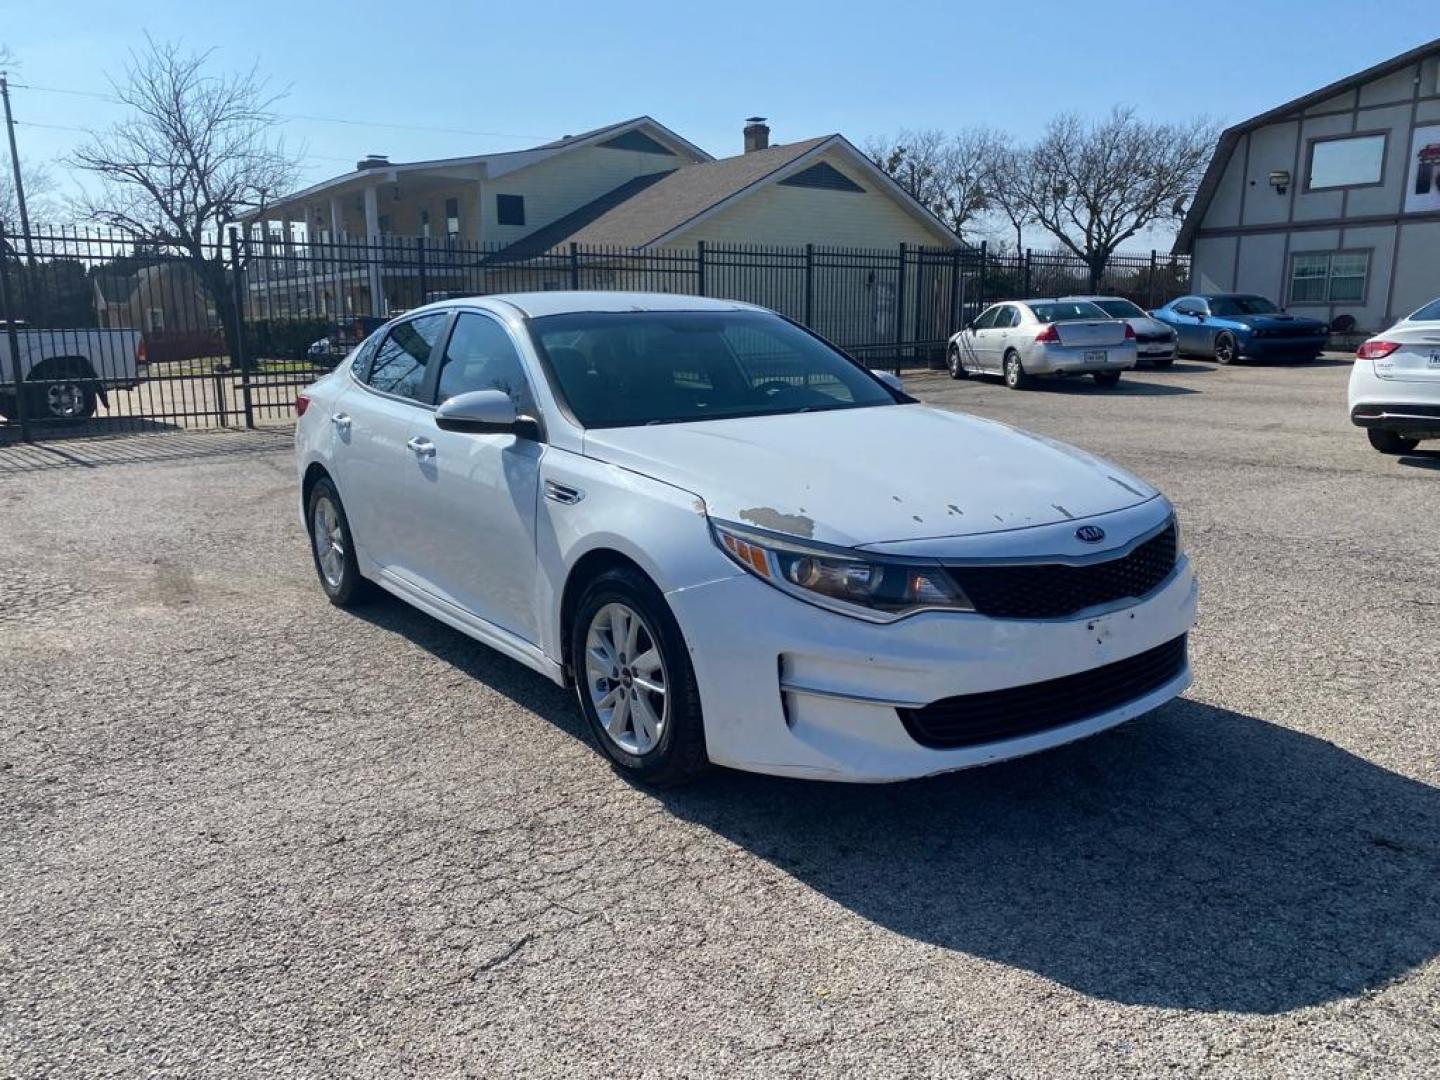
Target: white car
1020, 339
1154, 340
1395, 383
737, 544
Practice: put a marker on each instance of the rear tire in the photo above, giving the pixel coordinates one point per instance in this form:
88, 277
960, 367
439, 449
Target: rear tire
1225, 352
652, 730
1106, 378
1015, 377
332, 547
954, 363
1391, 442
62, 400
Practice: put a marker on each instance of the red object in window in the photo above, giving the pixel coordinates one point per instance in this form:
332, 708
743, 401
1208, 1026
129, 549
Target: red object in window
1050, 333
302, 402
140, 360
1375, 348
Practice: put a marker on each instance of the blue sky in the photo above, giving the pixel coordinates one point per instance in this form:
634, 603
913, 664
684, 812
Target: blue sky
526, 72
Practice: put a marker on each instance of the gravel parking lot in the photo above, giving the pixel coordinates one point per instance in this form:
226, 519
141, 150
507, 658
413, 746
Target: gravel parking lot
243, 833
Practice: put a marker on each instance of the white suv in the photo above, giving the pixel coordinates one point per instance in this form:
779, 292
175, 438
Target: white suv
737, 544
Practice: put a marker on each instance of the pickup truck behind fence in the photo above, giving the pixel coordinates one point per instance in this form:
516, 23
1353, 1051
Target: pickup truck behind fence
59, 375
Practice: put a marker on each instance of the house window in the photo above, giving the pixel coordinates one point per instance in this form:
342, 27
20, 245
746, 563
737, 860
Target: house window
452, 217
1349, 162
384, 224
157, 320
425, 224
1334, 277
510, 209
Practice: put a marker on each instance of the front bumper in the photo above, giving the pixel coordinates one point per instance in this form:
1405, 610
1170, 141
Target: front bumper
1267, 348
790, 689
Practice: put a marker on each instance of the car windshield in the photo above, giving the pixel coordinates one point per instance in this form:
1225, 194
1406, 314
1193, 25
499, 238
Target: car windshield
1067, 311
1242, 305
1120, 309
624, 369
1429, 313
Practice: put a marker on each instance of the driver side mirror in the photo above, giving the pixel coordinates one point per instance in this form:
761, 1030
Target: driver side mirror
890, 379
485, 412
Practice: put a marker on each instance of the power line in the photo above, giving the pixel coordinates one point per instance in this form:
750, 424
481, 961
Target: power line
308, 118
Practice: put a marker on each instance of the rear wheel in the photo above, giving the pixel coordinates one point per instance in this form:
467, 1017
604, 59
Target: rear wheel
1225, 352
634, 680
1015, 377
333, 547
1106, 378
1391, 442
954, 363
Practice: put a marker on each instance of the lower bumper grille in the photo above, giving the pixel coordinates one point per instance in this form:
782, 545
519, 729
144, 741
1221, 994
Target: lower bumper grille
975, 719
1395, 414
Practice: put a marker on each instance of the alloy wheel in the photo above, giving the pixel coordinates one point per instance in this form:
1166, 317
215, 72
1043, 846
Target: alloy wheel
1224, 350
625, 678
329, 540
65, 400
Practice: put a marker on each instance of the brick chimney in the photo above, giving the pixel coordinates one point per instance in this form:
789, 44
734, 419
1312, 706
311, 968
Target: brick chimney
757, 134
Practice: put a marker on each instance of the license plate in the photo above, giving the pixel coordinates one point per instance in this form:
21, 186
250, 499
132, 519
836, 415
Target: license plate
1095, 357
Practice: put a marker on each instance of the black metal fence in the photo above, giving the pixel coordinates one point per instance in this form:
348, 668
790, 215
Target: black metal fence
102, 334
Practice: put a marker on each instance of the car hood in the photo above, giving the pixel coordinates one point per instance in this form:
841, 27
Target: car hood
1277, 322
873, 475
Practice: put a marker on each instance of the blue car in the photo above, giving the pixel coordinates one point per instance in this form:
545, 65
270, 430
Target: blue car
1229, 326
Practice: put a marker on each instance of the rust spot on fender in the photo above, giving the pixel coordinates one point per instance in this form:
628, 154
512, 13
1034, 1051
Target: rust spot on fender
767, 517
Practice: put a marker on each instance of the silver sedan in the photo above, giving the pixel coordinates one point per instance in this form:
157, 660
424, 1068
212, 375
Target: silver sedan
1020, 339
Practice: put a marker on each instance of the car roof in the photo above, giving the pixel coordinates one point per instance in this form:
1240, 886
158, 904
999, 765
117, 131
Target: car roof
1092, 299
564, 302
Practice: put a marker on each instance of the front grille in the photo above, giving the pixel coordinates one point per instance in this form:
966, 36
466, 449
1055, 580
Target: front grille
1054, 590
974, 719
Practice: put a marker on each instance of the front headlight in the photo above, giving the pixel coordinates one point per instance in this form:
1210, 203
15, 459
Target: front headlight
841, 579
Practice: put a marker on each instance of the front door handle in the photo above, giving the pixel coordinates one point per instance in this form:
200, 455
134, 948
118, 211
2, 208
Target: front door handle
340, 420
422, 447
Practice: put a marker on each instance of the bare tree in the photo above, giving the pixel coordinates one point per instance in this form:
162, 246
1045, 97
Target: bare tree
194, 154
1005, 187
40, 197
945, 173
1092, 187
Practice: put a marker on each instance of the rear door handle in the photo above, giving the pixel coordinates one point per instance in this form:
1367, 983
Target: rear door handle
422, 447
340, 420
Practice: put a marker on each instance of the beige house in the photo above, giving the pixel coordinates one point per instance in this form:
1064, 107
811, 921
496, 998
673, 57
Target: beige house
165, 298
388, 236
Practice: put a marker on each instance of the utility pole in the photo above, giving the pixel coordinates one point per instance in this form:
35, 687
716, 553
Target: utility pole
15, 165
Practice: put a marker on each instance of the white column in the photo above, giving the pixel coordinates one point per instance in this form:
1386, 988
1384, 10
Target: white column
372, 237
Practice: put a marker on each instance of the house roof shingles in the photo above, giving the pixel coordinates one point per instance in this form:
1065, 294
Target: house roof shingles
676, 197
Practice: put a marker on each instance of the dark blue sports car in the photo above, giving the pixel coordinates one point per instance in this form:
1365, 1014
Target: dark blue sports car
1228, 326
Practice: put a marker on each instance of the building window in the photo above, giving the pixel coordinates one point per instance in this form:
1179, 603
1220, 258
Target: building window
384, 224
510, 209
452, 217
425, 224
1350, 162
1336, 277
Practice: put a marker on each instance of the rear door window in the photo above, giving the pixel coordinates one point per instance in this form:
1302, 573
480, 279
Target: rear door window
401, 360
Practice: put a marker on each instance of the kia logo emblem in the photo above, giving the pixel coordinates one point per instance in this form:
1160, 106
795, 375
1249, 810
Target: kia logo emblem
1090, 534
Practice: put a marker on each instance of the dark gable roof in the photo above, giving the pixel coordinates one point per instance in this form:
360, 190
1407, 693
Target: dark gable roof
1231, 135
822, 175
676, 197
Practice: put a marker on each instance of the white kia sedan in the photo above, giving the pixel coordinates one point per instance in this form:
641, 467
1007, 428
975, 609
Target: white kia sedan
1020, 339
736, 543
1395, 383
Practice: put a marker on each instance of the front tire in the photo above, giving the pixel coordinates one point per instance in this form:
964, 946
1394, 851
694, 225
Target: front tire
332, 546
634, 681
954, 363
1225, 349
1015, 377
1106, 378
1391, 442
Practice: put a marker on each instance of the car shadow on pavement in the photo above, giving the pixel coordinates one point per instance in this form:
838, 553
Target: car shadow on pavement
1195, 858
1422, 459
1131, 385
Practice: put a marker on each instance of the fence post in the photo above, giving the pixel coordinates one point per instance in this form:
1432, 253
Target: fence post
7, 309
810, 286
900, 310
980, 300
238, 273
952, 323
420, 262
574, 266
700, 267
1027, 274
1150, 287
